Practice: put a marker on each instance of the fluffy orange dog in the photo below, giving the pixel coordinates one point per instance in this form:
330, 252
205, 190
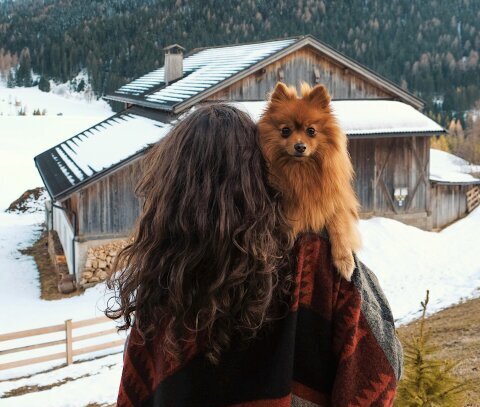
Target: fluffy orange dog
309, 164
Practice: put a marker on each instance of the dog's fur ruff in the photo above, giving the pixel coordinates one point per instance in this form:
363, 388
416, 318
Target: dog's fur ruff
316, 185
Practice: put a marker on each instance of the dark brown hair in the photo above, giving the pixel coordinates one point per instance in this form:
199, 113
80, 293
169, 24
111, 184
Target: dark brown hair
209, 252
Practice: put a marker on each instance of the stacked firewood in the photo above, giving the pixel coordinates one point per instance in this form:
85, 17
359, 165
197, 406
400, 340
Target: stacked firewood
99, 262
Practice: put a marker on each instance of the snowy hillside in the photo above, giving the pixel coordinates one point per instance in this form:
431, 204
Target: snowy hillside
61, 100
23, 137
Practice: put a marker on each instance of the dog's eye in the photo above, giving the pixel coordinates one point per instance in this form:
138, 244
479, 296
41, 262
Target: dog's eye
286, 131
311, 131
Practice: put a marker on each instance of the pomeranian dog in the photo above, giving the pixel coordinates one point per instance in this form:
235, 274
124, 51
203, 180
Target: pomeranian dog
309, 164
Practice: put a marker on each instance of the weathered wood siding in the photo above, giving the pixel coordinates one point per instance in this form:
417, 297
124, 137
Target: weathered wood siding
109, 206
383, 164
71, 206
306, 65
448, 203
362, 153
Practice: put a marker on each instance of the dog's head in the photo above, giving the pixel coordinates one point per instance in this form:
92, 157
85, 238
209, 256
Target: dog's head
299, 128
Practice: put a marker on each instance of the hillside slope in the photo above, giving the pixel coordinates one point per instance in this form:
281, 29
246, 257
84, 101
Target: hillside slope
430, 47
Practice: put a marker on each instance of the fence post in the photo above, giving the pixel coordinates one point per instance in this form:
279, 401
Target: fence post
68, 341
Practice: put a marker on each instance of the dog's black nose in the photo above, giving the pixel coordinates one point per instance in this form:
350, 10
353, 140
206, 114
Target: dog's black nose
300, 147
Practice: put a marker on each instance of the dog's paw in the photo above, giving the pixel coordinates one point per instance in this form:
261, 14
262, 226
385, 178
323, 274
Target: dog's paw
345, 266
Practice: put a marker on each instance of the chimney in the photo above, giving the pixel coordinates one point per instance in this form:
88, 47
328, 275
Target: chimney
173, 63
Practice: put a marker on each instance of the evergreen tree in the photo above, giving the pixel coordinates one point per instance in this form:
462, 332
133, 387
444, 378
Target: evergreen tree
24, 71
415, 44
428, 381
44, 84
11, 82
81, 86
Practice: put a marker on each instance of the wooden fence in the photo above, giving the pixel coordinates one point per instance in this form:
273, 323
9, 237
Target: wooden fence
69, 328
473, 198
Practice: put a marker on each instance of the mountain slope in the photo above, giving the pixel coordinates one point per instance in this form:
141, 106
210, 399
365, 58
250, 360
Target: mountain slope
430, 47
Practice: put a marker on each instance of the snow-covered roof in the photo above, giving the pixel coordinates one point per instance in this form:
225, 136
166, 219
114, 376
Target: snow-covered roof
98, 149
368, 117
201, 70
115, 140
207, 70
451, 169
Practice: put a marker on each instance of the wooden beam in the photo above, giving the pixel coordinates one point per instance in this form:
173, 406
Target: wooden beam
30, 347
422, 176
31, 361
95, 334
91, 321
101, 346
68, 341
389, 198
379, 179
31, 332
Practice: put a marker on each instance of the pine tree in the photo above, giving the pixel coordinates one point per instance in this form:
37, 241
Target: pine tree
428, 381
11, 82
24, 72
44, 84
81, 86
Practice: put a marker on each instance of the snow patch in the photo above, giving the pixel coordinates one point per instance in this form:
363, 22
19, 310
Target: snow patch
408, 261
447, 167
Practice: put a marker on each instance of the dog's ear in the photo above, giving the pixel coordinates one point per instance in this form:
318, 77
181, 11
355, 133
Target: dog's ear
281, 93
319, 96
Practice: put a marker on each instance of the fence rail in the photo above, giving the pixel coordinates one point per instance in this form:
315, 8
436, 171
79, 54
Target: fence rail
68, 327
473, 198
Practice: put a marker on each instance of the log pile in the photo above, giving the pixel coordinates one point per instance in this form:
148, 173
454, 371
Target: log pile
99, 262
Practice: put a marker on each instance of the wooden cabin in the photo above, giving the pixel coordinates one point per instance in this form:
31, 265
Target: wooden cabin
91, 176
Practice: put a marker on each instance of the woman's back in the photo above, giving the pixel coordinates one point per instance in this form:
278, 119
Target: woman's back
336, 346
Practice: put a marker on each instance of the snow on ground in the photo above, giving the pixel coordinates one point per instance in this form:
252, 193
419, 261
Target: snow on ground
23, 137
94, 381
448, 167
61, 100
408, 261
23, 309
20, 297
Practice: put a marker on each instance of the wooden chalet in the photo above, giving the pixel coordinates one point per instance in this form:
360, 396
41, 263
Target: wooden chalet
91, 176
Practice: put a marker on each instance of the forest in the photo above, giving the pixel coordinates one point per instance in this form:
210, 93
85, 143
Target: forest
428, 47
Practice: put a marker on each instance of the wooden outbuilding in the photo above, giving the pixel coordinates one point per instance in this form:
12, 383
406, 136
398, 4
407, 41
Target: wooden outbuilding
91, 176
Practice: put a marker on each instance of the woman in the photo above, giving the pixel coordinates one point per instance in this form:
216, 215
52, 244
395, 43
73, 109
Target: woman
224, 310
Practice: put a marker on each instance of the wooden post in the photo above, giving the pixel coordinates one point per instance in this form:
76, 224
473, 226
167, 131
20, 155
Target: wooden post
68, 337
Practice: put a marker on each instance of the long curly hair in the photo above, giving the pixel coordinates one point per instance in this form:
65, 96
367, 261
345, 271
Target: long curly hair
209, 252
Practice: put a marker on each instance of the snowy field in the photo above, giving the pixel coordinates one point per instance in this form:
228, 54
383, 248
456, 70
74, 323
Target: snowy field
407, 261
23, 137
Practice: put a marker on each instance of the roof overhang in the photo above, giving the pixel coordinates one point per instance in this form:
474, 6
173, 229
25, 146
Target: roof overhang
369, 118
455, 183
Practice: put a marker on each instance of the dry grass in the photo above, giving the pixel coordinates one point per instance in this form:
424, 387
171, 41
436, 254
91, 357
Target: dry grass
19, 391
47, 275
456, 331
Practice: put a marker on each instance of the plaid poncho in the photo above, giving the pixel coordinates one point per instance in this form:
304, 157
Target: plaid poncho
336, 347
